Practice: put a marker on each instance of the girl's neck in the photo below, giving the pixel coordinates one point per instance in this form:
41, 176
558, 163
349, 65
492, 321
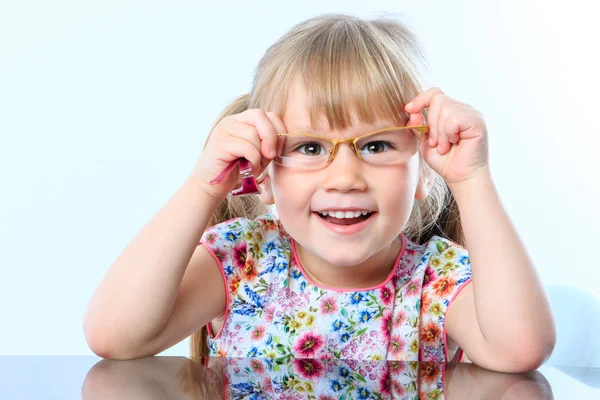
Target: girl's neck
372, 272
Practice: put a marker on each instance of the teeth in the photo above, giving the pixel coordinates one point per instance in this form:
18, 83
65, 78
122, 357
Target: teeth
342, 214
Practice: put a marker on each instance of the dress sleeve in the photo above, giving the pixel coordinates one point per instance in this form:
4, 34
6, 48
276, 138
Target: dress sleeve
447, 272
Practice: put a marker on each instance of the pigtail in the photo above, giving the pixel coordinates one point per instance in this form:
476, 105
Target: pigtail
231, 207
437, 214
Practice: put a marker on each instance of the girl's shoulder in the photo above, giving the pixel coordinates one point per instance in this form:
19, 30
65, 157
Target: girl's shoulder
438, 253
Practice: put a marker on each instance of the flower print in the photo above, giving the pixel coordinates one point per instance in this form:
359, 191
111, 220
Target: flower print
231, 236
365, 316
386, 295
444, 286
429, 372
257, 366
221, 255
398, 389
429, 276
345, 337
249, 272
310, 321
363, 393
309, 368
399, 319
234, 284
435, 262
397, 367
386, 325
296, 274
210, 238
301, 314
436, 309
308, 344
431, 333
336, 385
413, 347
240, 254
425, 302
397, 345
344, 372
356, 298
412, 289
253, 352
337, 325
328, 305
248, 236
258, 333
385, 382
435, 394
449, 254
448, 266
324, 397
464, 260
221, 353
269, 225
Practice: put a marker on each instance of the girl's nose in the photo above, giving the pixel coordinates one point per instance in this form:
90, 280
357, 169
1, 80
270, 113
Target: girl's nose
345, 172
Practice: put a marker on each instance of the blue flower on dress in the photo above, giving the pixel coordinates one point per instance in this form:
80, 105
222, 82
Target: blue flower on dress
253, 352
344, 372
345, 337
365, 316
363, 393
296, 274
464, 260
336, 386
337, 325
356, 298
231, 236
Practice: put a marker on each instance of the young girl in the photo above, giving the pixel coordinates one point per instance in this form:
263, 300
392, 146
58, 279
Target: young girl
366, 257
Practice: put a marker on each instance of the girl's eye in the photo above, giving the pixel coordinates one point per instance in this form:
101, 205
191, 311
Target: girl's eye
311, 149
375, 147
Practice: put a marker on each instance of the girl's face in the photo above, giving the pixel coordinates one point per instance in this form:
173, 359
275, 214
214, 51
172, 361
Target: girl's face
347, 183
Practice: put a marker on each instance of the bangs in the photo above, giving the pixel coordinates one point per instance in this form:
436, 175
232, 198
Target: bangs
344, 71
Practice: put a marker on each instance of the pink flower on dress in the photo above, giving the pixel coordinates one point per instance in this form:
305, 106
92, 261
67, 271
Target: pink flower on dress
258, 333
412, 289
308, 344
385, 383
310, 369
210, 238
386, 295
397, 345
429, 276
221, 255
257, 366
240, 254
386, 325
399, 319
268, 314
329, 305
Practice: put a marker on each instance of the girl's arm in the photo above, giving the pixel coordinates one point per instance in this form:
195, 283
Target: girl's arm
502, 320
137, 297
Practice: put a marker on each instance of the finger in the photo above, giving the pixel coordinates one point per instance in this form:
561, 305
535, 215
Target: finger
423, 100
264, 127
452, 129
241, 148
243, 131
416, 120
280, 127
432, 117
442, 138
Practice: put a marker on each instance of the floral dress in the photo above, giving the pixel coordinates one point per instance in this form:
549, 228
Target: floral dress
274, 311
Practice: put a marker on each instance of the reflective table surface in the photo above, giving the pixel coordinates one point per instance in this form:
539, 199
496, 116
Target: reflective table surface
93, 378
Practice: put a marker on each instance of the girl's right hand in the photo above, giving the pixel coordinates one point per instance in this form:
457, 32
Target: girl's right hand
251, 134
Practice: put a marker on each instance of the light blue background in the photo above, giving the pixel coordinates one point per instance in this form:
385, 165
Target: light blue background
105, 106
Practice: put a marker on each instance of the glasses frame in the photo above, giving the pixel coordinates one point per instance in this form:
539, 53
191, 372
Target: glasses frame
423, 129
250, 185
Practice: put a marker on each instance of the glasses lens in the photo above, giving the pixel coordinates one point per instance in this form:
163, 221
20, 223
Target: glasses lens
389, 147
304, 152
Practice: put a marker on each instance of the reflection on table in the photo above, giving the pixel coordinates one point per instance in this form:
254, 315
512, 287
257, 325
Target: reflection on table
256, 378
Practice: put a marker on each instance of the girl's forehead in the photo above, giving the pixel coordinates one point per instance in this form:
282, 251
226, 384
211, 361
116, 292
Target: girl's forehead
296, 117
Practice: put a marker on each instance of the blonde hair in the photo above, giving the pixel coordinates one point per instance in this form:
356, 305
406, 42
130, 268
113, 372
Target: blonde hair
347, 65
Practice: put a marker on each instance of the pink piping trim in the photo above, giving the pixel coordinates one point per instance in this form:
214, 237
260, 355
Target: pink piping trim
337, 289
226, 291
460, 351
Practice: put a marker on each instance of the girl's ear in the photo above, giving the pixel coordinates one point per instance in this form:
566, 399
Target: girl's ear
423, 188
266, 193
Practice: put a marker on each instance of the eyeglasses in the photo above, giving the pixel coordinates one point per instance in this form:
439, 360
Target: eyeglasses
381, 147
302, 150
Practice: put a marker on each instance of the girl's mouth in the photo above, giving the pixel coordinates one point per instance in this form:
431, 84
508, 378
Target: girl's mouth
345, 221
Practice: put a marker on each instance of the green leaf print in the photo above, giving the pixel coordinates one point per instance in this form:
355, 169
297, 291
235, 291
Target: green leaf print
441, 246
357, 334
359, 377
344, 312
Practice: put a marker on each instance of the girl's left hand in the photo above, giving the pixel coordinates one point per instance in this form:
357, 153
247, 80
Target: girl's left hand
456, 146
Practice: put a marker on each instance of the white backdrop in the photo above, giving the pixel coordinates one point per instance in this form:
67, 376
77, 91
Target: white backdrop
104, 107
